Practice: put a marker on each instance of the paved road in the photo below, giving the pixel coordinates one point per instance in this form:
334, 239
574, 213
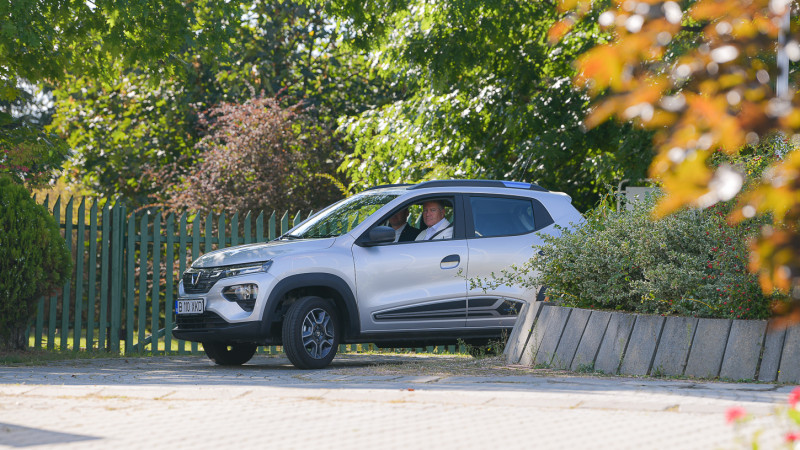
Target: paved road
187, 402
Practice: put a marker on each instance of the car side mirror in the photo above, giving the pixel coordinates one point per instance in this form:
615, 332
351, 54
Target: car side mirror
379, 235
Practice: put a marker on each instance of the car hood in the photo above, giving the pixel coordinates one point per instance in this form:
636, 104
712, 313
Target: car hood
243, 254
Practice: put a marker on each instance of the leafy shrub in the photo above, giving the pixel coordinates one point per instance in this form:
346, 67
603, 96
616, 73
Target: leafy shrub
258, 156
34, 260
691, 263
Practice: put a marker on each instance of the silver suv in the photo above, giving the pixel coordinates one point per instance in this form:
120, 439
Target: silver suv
346, 275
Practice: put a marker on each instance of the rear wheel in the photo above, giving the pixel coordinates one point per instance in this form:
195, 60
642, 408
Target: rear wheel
229, 354
311, 332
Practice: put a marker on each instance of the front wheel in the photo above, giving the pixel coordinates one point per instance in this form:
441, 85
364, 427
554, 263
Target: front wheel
311, 333
229, 354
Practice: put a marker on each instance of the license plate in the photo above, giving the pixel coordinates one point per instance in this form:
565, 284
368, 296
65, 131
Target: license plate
193, 306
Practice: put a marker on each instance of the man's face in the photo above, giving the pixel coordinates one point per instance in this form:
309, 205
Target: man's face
398, 219
432, 213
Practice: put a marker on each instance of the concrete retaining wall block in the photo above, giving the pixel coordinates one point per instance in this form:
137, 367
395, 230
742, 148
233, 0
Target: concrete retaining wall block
615, 340
535, 339
552, 335
515, 346
674, 345
771, 357
590, 342
708, 348
571, 337
744, 347
642, 345
790, 360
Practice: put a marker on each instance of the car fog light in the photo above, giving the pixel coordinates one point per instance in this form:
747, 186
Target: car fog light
243, 294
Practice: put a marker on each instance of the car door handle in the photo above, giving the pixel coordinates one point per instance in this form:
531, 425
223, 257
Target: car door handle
450, 262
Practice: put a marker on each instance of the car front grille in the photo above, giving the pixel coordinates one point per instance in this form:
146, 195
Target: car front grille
200, 321
200, 281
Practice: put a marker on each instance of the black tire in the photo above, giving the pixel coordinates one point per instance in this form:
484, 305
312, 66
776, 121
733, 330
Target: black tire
311, 333
229, 354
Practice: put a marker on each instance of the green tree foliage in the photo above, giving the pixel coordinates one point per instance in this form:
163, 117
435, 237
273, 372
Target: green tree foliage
487, 97
258, 156
123, 131
28, 153
34, 260
43, 41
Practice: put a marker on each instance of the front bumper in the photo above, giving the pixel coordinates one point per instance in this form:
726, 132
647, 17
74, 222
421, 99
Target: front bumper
210, 327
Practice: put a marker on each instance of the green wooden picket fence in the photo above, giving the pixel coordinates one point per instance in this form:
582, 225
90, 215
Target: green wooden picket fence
126, 266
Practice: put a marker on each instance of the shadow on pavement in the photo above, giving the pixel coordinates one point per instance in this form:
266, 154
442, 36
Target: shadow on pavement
19, 436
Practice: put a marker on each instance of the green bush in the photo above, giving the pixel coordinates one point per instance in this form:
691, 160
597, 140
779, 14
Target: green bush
691, 263
34, 260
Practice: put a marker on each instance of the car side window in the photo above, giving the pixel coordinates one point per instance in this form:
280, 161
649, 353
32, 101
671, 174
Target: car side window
499, 216
416, 218
409, 220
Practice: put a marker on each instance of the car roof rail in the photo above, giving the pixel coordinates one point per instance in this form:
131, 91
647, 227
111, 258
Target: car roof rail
479, 183
386, 186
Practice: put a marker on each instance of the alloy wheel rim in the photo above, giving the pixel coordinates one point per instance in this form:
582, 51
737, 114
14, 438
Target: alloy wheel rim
317, 333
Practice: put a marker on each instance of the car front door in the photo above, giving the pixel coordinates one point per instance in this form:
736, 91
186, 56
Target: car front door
407, 286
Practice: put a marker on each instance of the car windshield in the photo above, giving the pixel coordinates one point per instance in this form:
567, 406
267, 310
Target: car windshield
341, 217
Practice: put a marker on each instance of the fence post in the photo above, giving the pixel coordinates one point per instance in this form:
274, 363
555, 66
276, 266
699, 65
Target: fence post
102, 322
259, 227
155, 300
209, 245
182, 251
118, 211
142, 282
248, 237
51, 322
222, 240
235, 229
40, 306
196, 248
80, 253
65, 295
271, 226
130, 294
285, 223
91, 300
297, 219
168, 292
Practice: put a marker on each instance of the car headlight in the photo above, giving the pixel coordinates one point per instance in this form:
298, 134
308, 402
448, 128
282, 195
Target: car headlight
244, 269
199, 280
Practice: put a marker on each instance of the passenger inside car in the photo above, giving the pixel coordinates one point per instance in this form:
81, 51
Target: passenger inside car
403, 231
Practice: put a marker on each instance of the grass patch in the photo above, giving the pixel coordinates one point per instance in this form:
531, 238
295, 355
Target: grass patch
33, 357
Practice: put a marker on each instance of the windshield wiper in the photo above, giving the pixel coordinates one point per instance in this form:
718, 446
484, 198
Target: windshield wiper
289, 237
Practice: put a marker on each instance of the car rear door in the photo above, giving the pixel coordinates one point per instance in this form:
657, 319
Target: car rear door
501, 233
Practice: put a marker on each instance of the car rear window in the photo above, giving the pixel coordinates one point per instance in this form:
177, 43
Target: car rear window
500, 216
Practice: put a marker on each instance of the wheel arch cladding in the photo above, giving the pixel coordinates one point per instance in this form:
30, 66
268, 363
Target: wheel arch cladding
323, 285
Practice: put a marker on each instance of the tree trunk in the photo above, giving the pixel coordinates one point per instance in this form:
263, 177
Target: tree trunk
14, 338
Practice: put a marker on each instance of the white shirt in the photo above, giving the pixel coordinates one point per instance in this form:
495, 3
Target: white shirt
428, 233
399, 231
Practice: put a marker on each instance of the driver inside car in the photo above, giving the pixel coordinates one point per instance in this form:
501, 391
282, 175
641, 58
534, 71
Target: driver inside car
438, 226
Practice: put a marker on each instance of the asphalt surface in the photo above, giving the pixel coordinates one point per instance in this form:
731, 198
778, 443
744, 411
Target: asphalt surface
369, 401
